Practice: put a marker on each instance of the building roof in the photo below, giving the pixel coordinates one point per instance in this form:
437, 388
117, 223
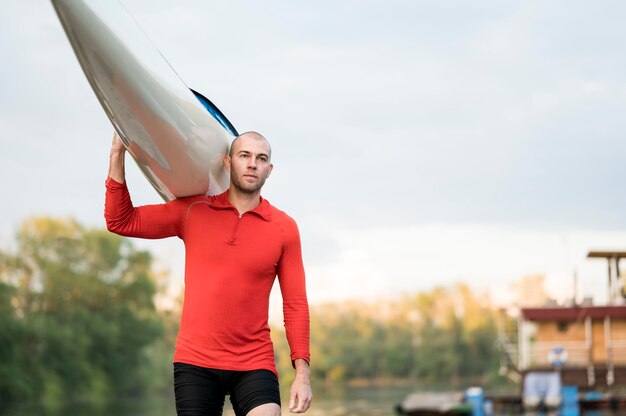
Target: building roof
606, 254
573, 313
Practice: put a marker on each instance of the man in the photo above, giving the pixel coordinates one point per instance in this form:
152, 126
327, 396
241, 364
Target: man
236, 244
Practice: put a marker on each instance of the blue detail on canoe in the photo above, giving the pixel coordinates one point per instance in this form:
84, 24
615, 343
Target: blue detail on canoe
216, 113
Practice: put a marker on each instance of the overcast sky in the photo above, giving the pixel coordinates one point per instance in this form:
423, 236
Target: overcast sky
416, 143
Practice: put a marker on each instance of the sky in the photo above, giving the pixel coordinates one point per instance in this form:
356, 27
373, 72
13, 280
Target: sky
416, 143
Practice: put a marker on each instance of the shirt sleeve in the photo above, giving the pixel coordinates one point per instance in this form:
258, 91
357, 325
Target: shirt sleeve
148, 221
293, 288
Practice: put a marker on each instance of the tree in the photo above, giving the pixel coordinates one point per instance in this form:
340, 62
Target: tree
77, 311
530, 291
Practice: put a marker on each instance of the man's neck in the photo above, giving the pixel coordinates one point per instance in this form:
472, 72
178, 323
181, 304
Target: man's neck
242, 201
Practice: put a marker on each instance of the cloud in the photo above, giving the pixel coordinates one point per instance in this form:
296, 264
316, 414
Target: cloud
396, 122
377, 261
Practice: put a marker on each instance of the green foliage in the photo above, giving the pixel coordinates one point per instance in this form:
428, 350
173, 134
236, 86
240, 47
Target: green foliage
77, 318
444, 337
76, 312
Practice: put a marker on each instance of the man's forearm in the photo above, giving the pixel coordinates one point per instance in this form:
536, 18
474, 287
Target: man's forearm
116, 165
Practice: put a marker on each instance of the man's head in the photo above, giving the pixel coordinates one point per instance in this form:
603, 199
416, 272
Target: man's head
249, 162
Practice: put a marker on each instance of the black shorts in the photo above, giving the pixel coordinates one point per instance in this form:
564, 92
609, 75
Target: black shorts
201, 391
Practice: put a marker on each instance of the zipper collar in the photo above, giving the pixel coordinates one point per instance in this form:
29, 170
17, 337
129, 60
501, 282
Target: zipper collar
263, 210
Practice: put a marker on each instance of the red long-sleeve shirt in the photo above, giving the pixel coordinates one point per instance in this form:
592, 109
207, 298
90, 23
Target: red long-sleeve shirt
231, 263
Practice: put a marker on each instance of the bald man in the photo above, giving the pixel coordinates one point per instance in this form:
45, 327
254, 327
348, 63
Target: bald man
236, 244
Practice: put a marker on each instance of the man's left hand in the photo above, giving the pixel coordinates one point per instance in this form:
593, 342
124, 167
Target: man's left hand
301, 393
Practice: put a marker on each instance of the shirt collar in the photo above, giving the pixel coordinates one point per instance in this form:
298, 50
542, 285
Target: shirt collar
263, 210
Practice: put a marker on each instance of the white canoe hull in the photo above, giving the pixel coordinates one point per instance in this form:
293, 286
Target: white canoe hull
176, 142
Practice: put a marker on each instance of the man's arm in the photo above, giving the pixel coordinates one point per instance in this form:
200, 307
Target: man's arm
116, 160
296, 312
149, 221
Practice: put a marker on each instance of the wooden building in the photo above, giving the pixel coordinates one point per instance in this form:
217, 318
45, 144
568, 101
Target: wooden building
589, 340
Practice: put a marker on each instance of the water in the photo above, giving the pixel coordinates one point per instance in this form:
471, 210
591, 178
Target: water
337, 402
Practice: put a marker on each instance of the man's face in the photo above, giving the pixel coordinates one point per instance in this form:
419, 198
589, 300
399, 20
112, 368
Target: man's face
249, 165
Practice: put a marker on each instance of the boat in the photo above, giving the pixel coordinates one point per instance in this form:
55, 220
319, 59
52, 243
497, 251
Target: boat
433, 404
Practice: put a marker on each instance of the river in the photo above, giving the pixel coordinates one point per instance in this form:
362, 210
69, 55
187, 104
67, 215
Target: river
339, 402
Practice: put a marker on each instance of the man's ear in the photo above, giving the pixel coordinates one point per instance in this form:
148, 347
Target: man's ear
270, 171
227, 163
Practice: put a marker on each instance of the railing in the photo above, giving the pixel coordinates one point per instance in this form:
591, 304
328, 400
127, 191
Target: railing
577, 353
509, 354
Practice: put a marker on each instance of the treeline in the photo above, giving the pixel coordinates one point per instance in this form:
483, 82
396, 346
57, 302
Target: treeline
78, 318
443, 337
77, 315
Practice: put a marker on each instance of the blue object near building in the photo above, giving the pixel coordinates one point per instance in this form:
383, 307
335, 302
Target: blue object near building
542, 387
474, 396
569, 403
